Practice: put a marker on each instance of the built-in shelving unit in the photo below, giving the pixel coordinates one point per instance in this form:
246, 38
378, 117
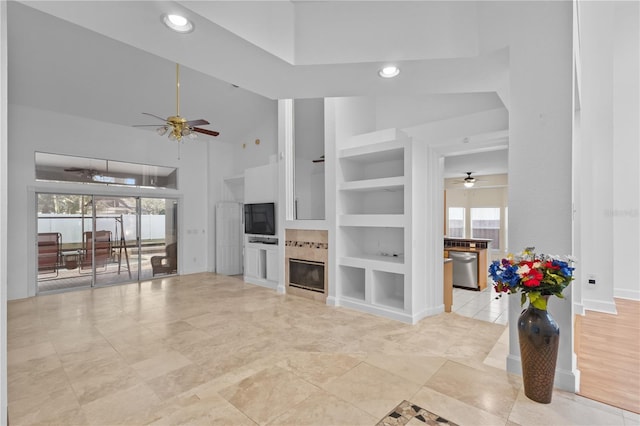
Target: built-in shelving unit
374, 225
261, 261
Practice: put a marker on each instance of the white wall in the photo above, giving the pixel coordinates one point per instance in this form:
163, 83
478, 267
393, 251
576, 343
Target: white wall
596, 171
37, 130
626, 149
609, 152
3, 211
246, 153
540, 157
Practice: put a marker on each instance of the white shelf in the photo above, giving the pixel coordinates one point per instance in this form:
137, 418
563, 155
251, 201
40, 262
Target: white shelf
375, 262
386, 151
234, 180
373, 220
388, 289
353, 282
395, 183
374, 171
375, 138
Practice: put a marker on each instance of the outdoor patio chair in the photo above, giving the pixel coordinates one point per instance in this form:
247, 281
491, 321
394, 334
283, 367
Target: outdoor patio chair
49, 252
167, 264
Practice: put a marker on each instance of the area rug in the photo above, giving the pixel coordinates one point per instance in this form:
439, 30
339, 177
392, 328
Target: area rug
410, 414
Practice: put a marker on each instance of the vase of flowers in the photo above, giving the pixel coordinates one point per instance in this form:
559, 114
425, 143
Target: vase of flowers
536, 277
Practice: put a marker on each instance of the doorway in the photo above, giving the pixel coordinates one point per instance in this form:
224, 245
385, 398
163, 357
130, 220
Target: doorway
92, 240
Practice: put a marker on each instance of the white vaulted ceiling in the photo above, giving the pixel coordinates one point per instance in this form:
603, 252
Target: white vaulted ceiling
112, 60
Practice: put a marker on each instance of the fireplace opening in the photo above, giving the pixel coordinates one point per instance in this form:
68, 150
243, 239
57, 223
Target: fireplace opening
306, 274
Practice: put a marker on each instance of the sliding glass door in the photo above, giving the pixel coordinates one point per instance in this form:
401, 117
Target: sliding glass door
85, 241
158, 249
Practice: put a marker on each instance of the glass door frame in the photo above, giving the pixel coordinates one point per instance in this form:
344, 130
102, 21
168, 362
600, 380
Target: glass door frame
137, 275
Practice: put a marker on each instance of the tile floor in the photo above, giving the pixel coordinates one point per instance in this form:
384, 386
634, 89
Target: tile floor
207, 349
485, 305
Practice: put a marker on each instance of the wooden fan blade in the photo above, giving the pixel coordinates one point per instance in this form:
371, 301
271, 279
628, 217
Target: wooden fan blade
205, 131
200, 122
155, 116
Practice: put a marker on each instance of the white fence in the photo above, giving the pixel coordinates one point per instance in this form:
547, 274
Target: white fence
71, 227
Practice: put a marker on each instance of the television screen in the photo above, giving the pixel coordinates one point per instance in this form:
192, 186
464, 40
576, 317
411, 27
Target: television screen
260, 219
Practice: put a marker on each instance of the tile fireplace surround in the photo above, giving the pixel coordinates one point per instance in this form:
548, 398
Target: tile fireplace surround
304, 244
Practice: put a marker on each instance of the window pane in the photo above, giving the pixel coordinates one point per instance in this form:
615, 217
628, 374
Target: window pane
456, 222
485, 223
67, 168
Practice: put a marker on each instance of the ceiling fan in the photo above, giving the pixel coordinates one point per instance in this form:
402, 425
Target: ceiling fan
82, 172
97, 176
179, 127
469, 181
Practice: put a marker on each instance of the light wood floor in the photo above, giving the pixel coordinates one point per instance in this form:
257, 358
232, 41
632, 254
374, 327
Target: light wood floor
608, 351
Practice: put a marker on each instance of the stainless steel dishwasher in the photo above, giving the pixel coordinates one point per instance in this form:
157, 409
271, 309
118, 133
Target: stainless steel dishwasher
465, 269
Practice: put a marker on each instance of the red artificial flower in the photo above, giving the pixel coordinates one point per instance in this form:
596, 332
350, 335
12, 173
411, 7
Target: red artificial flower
549, 265
532, 279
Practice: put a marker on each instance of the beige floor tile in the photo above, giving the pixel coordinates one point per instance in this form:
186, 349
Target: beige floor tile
268, 393
213, 410
27, 353
47, 400
415, 368
92, 380
322, 409
318, 368
208, 349
132, 406
493, 392
179, 381
372, 389
54, 414
83, 352
160, 364
561, 411
455, 410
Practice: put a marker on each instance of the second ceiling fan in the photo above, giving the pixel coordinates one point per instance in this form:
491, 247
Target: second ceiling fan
177, 126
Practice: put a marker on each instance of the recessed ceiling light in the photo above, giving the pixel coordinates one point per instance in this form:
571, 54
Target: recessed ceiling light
177, 23
389, 71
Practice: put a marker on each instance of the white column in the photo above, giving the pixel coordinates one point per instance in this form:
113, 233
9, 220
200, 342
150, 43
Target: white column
540, 139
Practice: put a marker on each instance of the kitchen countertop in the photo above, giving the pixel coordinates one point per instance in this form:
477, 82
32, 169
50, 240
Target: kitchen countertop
466, 249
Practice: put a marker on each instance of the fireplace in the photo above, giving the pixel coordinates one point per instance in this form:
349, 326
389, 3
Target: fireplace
306, 274
306, 263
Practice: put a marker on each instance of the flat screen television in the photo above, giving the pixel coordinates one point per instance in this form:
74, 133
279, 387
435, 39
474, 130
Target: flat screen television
260, 219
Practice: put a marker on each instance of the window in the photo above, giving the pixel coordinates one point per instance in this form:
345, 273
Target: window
67, 168
456, 222
485, 223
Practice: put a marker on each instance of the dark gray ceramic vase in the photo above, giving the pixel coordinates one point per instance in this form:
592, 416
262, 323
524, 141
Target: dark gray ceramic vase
539, 337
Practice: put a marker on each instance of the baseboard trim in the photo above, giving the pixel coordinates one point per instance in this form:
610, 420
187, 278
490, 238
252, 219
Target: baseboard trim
626, 294
600, 306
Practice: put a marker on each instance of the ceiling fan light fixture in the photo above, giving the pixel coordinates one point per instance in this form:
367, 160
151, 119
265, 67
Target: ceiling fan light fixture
162, 130
469, 181
178, 23
389, 71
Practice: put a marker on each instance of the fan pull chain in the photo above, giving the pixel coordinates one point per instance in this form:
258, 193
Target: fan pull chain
178, 90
